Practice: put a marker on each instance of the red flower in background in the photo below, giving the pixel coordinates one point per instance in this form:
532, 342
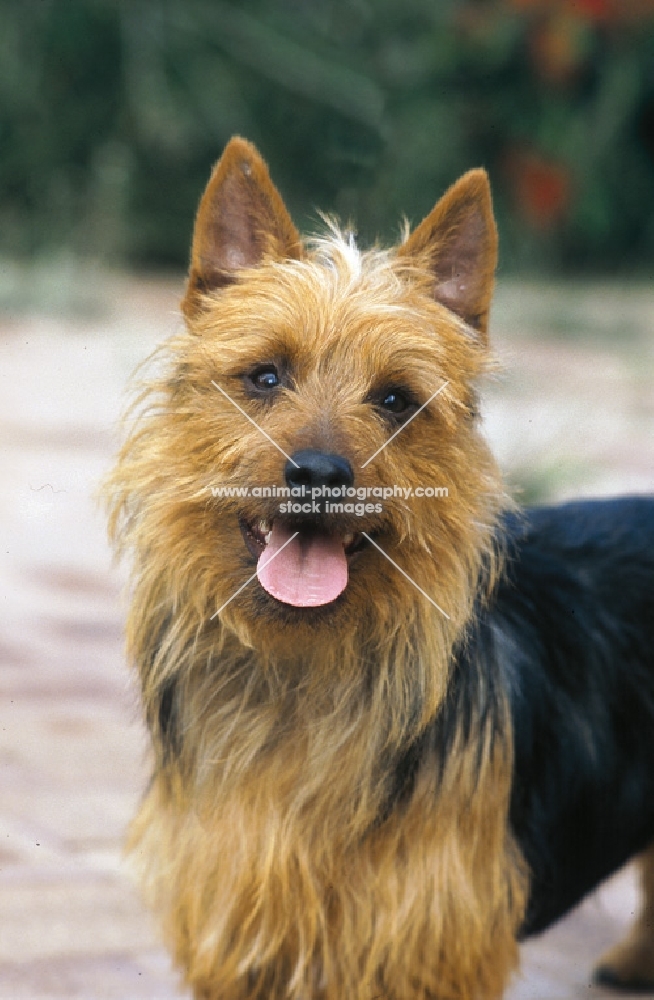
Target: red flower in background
541, 188
592, 10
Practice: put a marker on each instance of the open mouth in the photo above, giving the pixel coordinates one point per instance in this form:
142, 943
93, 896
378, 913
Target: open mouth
299, 564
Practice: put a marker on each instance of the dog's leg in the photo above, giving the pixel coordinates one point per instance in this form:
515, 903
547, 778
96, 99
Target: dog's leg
629, 966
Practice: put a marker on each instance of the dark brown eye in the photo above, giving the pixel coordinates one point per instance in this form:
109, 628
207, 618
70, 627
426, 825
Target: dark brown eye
395, 401
265, 378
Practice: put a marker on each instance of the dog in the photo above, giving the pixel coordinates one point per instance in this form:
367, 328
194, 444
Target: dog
394, 732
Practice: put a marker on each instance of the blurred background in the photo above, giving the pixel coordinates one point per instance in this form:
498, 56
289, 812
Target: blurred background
112, 113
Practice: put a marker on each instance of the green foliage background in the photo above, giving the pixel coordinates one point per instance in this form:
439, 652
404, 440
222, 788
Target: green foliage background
113, 111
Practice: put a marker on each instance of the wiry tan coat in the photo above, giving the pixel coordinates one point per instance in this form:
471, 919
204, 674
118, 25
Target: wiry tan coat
265, 842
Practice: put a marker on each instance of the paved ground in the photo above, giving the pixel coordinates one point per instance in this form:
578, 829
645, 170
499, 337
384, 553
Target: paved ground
569, 416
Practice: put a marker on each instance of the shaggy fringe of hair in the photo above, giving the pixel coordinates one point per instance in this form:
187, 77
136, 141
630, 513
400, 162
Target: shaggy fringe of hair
265, 838
423, 905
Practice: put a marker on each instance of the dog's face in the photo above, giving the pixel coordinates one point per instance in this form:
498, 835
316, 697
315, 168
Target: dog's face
314, 392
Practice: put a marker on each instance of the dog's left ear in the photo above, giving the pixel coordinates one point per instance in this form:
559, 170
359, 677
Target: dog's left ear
457, 241
241, 221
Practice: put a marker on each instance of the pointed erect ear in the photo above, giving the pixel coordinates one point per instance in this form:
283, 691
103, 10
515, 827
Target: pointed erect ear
458, 243
241, 219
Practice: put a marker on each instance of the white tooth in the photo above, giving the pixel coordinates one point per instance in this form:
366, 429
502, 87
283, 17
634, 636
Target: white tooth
267, 537
263, 526
349, 538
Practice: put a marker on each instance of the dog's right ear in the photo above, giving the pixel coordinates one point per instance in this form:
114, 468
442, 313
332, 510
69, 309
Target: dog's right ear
241, 220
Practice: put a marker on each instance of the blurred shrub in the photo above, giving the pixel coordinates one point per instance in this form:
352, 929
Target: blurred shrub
112, 112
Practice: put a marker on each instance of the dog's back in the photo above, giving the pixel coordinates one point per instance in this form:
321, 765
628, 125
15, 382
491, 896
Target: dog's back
572, 626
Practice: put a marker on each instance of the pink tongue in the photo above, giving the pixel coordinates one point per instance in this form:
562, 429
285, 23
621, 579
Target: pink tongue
307, 572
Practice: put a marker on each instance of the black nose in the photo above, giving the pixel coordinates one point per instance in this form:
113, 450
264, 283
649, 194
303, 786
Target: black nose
316, 468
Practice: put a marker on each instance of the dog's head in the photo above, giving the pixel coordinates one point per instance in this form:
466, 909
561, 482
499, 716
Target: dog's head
314, 458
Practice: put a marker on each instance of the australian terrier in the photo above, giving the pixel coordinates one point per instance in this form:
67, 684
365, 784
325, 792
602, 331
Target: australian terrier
397, 724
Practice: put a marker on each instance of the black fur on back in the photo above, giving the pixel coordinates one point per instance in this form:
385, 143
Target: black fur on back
571, 632
568, 639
